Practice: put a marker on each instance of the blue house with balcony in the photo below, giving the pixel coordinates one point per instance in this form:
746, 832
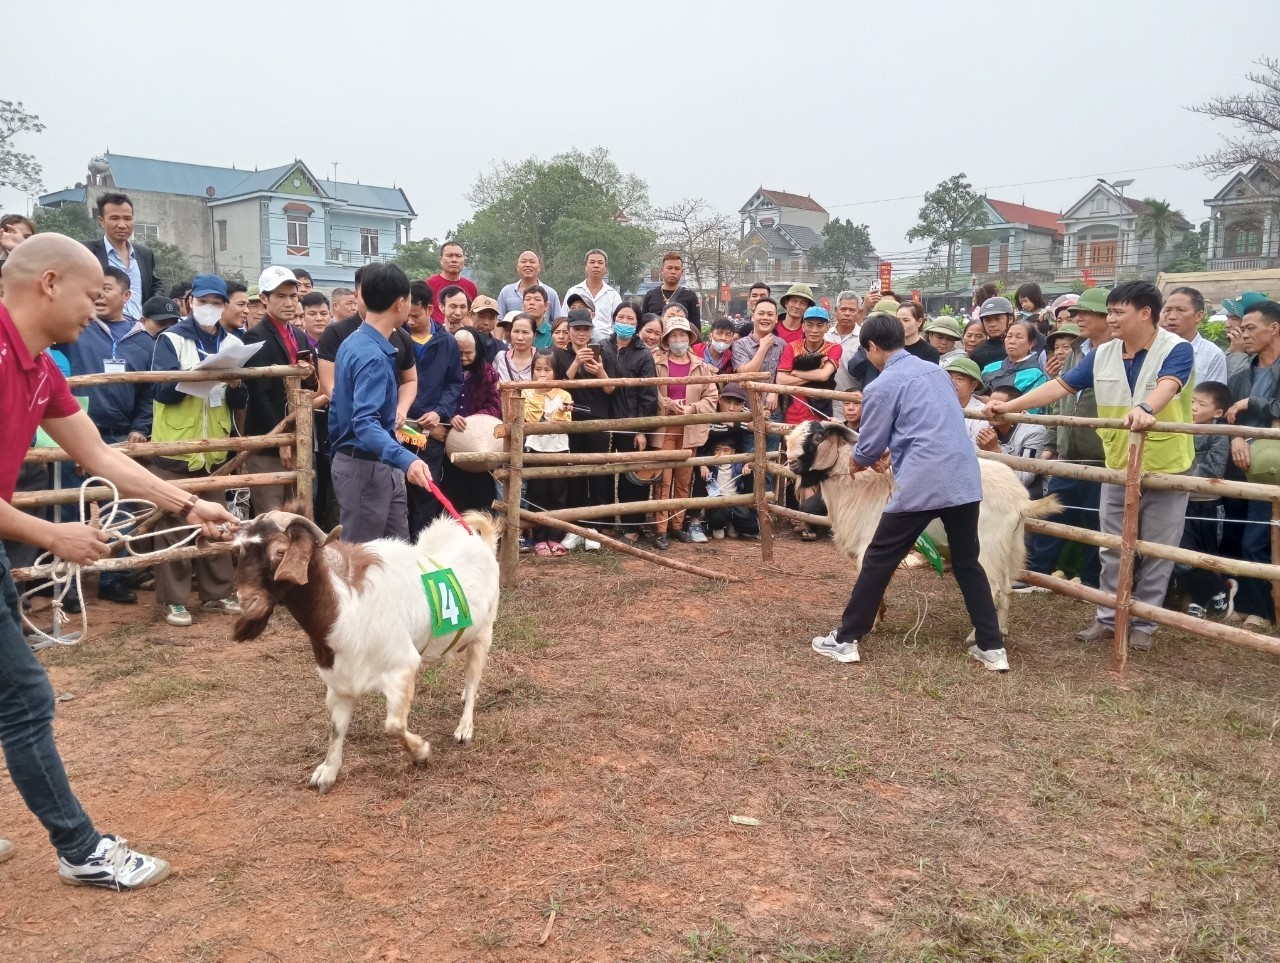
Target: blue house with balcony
227, 220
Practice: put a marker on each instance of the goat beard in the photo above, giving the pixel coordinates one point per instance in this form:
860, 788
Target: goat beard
255, 613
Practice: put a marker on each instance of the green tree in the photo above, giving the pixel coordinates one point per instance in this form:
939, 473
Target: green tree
1159, 221
171, 264
1188, 253
846, 247
71, 219
419, 259
952, 212
18, 170
553, 208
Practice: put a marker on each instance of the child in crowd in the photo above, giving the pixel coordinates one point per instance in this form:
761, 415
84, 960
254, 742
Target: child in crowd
733, 479
546, 404
1210, 592
1022, 440
853, 412
966, 378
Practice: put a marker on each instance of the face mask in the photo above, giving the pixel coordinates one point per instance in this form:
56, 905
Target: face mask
678, 348
207, 315
720, 347
625, 331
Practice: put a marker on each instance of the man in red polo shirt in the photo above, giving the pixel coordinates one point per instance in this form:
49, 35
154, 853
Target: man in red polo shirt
452, 260
51, 284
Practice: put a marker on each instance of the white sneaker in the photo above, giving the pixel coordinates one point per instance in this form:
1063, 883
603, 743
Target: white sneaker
717, 534
114, 865
1256, 623
589, 544
177, 615
997, 660
227, 606
826, 645
6, 850
572, 541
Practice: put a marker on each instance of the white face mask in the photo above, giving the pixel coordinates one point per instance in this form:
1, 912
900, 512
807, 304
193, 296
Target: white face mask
207, 315
720, 347
677, 347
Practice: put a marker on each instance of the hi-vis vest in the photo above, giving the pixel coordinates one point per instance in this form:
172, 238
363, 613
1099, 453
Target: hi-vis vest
1163, 451
192, 417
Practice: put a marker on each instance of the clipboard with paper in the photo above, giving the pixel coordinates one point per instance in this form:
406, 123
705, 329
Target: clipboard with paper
231, 356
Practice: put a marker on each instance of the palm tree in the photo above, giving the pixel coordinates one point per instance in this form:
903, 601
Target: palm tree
1158, 220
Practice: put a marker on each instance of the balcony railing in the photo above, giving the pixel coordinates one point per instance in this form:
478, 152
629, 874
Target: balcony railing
339, 256
1243, 263
1109, 272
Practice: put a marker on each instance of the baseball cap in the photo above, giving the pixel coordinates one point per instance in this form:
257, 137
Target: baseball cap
208, 285
582, 299
579, 318
964, 366
732, 390
816, 313
993, 306
506, 319
1243, 304
161, 309
273, 277
484, 303
1093, 301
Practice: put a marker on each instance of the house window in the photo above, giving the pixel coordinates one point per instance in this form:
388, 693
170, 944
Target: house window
1099, 203
146, 232
795, 265
1244, 239
980, 259
222, 235
299, 243
368, 242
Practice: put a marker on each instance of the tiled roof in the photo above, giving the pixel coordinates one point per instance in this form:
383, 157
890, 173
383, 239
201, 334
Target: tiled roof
806, 237
1031, 216
783, 199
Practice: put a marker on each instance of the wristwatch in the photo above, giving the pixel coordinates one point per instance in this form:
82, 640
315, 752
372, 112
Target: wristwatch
1145, 407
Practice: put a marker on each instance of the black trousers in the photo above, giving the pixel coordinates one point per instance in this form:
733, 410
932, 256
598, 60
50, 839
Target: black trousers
592, 489
895, 535
1200, 534
424, 507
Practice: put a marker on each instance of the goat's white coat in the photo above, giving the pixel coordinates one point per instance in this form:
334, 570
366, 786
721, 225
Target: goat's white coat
855, 504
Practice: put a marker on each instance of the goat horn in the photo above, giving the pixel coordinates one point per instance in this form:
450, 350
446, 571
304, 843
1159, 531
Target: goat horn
285, 519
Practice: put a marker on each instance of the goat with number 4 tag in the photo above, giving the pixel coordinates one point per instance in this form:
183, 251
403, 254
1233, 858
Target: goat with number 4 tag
374, 613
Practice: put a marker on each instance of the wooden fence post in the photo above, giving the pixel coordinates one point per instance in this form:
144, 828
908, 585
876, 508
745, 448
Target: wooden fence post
509, 556
761, 481
1128, 536
303, 452
1275, 555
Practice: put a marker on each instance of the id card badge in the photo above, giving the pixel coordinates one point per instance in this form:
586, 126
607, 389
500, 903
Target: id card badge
113, 366
215, 396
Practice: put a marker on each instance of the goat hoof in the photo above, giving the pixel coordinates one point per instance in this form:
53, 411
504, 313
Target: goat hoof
463, 736
423, 755
322, 780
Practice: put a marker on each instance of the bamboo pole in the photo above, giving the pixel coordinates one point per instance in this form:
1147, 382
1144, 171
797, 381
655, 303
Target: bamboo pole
652, 423
807, 517
1128, 556
660, 505
162, 377
584, 471
760, 483
1212, 563
1161, 616
131, 563
202, 483
232, 465
1275, 556
567, 458
304, 452
147, 449
1156, 481
633, 382
509, 553
619, 545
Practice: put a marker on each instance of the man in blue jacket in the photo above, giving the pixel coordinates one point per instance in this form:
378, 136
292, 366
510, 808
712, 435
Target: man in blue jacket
439, 385
120, 412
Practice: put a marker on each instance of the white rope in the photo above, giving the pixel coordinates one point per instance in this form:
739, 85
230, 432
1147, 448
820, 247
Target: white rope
116, 516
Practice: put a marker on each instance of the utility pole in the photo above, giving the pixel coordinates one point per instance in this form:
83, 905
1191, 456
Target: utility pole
719, 247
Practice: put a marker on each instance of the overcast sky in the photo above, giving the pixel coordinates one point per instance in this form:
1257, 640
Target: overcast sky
854, 103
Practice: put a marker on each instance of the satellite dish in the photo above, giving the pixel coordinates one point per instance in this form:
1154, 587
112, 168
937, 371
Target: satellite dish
209, 191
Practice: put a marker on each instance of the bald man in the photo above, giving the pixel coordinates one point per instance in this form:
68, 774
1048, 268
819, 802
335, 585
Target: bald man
51, 286
529, 269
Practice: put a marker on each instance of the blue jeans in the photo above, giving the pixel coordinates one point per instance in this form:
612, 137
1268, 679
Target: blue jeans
1255, 594
26, 733
1044, 549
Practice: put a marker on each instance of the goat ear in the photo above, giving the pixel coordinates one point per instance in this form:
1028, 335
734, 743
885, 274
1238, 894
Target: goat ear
827, 450
293, 567
332, 536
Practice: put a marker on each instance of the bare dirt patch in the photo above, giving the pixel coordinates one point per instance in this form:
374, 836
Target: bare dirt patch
913, 807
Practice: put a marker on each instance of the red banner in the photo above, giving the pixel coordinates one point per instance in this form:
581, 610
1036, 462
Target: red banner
886, 276
725, 294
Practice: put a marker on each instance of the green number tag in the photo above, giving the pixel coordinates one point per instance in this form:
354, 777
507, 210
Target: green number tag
449, 609
925, 546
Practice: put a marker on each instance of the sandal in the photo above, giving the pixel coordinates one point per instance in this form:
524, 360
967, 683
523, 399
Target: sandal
558, 550
543, 549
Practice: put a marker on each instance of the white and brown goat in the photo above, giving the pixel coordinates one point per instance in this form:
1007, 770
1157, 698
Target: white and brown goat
365, 611
818, 452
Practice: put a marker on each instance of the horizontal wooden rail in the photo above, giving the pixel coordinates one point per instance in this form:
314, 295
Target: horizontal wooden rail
654, 423
144, 449
618, 468
569, 457
131, 563
160, 377
659, 505
630, 382
202, 483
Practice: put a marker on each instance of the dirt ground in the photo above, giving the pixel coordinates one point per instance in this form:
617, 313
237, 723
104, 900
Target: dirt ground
913, 807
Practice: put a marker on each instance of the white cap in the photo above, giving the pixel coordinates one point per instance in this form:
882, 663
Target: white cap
273, 277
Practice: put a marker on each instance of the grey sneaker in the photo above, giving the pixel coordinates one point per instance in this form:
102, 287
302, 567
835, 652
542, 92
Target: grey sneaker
696, 533
6, 850
114, 865
717, 534
177, 615
1022, 588
826, 645
1198, 611
1095, 632
227, 606
997, 660
1139, 640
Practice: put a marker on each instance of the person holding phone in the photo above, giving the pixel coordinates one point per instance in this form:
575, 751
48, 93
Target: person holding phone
583, 361
282, 343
